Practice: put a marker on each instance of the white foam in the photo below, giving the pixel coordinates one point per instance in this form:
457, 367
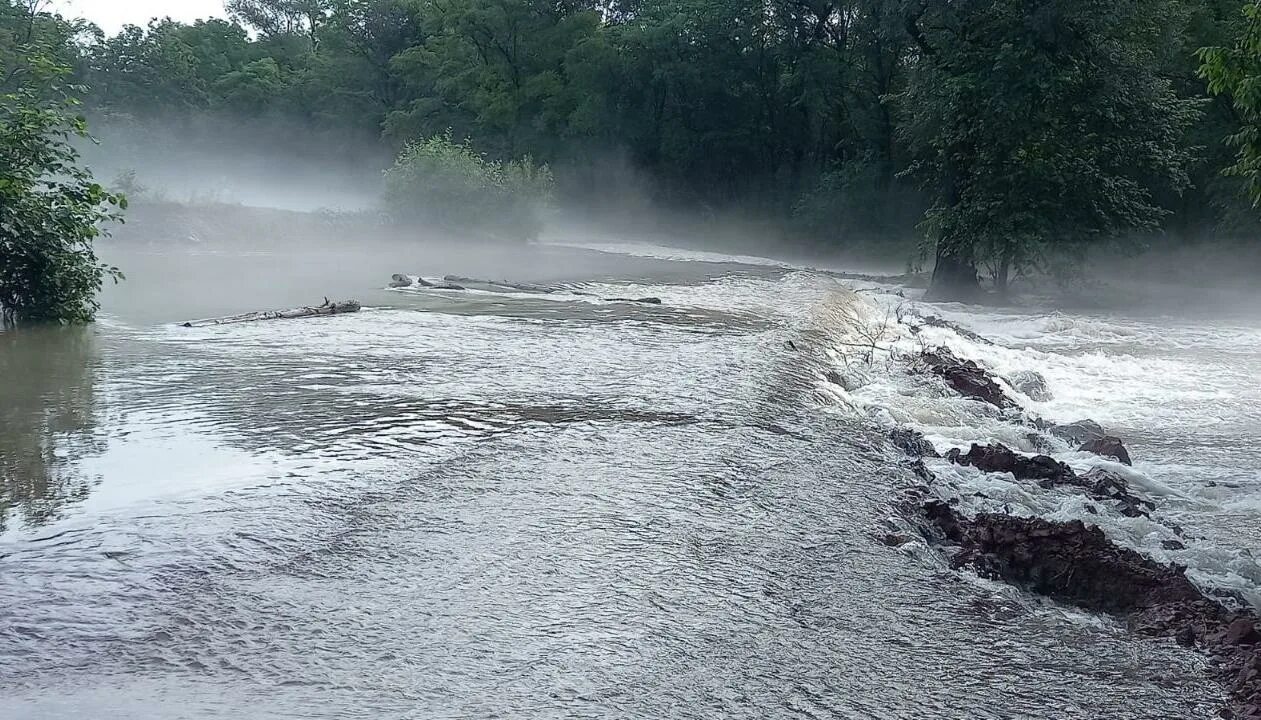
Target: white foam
1184, 397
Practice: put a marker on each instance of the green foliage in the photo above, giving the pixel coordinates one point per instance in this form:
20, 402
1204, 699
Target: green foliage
50, 207
1039, 127
1042, 128
860, 203
445, 183
1235, 71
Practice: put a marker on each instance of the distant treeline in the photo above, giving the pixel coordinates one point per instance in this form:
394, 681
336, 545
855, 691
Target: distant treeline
1008, 134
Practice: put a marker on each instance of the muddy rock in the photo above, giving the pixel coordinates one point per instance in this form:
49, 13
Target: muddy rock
1107, 446
966, 377
1078, 432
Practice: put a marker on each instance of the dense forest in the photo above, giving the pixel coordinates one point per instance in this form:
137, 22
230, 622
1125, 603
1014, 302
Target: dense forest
1009, 136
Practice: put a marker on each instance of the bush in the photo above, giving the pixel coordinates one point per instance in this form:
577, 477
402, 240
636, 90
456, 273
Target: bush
442, 182
50, 207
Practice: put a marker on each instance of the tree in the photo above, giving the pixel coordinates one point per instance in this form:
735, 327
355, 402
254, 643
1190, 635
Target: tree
166, 67
1235, 71
51, 209
496, 68
277, 18
1041, 127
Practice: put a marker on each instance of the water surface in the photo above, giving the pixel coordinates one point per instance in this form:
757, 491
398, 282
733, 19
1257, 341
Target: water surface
499, 505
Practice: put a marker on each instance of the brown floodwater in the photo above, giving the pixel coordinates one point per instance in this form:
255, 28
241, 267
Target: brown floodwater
472, 505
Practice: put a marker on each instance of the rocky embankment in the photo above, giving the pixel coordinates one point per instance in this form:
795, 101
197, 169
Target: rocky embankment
1075, 562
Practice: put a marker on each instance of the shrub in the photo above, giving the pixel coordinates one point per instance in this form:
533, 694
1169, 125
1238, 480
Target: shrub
50, 207
442, 182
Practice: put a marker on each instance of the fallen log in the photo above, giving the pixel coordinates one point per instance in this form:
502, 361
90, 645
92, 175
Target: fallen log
327, 308
459, 282
504, 284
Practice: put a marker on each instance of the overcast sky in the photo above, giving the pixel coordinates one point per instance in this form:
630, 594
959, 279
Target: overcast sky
113, 14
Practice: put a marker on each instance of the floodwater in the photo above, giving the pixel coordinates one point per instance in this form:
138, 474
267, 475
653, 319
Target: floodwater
474, 505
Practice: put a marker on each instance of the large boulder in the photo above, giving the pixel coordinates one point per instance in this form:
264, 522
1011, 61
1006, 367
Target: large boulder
1107, 446
965, 377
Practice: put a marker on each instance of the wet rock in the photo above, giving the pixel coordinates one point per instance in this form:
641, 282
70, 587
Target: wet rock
922, 472
913, 443
896, 539
1106, 485
400, 281
1075, 563
1172, 545
1078, 432
644, 301
1107, 446
939, 322
1031, 384
966, 377
1070, 562
1039, 443
1048, 472
1000, 458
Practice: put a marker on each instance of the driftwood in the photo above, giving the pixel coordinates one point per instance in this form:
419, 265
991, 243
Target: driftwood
459, 282
504, 284
328, 308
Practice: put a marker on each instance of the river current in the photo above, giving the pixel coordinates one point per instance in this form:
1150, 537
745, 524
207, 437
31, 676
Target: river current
481, 504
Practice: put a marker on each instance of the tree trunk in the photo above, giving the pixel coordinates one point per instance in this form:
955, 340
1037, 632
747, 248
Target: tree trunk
954, 275
328, 308
1003, 274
